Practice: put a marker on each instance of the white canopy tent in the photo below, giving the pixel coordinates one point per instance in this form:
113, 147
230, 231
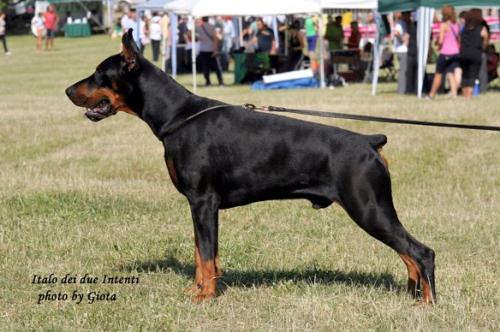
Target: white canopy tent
424, 30
349, 4
201, 8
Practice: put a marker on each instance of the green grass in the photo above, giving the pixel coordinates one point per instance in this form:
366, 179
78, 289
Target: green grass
78, 197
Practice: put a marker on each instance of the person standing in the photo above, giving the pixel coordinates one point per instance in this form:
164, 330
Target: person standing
474, 39
401, 38
296, 46
265, 38
335, 36
355, 37
38, 27
3, 34
449, 48
124, 20
209, 49
412, 61
50, 20
248, 38
144, 33
185, 40
131, 23
229, 34
311, 27
155, 35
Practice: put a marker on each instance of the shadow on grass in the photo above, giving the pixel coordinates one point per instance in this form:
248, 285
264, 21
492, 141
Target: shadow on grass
265, 278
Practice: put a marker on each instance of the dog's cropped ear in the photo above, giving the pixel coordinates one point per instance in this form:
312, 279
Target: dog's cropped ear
130, 51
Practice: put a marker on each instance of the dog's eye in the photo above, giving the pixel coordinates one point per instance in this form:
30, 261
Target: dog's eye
101, 78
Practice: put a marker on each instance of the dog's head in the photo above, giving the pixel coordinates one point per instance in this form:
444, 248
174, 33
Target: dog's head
110, 88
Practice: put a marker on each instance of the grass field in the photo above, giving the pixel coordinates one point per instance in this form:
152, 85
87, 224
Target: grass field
83, 198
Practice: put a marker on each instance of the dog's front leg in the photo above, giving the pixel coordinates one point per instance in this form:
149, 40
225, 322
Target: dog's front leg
198, 276
205, 210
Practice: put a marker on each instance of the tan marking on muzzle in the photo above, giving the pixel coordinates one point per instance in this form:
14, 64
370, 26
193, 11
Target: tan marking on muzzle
85, 97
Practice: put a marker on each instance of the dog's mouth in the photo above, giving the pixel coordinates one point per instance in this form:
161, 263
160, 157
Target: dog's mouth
101, 110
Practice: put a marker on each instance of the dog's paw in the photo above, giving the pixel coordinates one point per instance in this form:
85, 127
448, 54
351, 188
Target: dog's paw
203, 297
196, 288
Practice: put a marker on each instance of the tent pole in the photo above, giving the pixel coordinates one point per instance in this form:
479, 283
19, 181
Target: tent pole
193, 51
376, 55
276, 33
240, 27
322, 51
110, 16
173, 47
423, 36
420, 41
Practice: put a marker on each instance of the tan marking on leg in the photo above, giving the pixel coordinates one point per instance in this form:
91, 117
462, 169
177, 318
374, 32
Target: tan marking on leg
198, 273
427, 297
413, 276
209, 285
426, 287
218, 269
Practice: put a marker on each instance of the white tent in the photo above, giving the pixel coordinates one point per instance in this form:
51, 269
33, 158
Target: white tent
424, 29
349, 4
200, 8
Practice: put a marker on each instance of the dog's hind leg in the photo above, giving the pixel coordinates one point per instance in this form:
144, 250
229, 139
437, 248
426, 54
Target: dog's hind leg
204, 210
369, 203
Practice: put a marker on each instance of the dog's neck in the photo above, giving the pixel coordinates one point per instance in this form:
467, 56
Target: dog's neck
164, 101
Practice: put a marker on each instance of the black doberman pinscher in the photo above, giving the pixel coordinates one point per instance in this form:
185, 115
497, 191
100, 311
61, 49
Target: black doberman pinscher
221, 156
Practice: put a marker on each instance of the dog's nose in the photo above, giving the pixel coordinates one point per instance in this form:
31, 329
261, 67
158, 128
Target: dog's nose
70, 91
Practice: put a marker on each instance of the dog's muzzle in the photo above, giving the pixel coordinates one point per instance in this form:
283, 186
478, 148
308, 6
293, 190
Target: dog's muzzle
99, 111
102, 110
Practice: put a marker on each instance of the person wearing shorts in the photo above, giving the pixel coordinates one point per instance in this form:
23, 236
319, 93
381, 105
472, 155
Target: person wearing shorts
311, 35
50, 20
449, 48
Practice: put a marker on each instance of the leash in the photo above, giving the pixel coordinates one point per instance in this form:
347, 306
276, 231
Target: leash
347, 116
371, 118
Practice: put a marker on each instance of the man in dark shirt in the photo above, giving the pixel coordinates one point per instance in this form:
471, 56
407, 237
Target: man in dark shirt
265, 38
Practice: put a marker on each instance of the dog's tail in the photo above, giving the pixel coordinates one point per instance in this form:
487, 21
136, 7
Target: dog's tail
378, 142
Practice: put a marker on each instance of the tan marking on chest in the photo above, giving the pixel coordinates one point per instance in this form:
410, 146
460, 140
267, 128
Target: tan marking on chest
384, 159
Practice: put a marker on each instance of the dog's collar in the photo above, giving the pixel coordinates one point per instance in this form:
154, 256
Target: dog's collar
169, 129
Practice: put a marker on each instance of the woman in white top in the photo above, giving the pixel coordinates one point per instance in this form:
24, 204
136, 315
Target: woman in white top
401, 38
38, 28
